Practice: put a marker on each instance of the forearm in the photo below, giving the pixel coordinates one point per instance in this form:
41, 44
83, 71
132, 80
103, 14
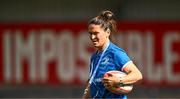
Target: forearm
133, 74
131, 78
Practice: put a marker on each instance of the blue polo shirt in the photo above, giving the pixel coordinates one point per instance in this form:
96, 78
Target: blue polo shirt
114, 58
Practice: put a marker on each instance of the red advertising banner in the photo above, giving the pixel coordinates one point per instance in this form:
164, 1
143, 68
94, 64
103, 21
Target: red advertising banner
58, 53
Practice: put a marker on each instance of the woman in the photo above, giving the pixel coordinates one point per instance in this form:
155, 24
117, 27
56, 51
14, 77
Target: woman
107, 57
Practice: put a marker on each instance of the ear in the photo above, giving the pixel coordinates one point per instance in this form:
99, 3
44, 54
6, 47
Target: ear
108, 31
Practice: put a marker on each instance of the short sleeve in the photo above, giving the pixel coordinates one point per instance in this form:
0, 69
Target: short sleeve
121, 59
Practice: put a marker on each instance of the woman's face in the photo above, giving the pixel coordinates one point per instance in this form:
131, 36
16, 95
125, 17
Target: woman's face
98, 36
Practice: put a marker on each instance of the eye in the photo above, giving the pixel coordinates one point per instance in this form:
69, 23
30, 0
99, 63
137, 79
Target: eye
93, 33
90, 33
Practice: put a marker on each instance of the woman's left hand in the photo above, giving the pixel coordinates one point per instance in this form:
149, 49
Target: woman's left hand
110, 82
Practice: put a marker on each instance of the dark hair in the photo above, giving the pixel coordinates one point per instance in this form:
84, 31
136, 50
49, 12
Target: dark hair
106, 20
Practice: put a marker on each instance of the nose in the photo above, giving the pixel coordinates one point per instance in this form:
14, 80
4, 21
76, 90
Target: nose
92, 36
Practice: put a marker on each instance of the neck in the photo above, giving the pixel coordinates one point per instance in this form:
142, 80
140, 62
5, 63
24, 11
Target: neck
104, 46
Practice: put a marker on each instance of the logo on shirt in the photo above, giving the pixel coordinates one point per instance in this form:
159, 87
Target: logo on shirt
98, 80
105, 60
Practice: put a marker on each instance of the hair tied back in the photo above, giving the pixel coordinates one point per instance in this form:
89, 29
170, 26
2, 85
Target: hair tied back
107, 15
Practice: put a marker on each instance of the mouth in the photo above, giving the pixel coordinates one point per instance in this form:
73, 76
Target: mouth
95, 41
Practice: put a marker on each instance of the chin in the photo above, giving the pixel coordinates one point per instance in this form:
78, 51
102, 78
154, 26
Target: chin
96, 46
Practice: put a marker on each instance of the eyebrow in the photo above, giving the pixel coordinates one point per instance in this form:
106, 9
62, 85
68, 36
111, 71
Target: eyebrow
93, 32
